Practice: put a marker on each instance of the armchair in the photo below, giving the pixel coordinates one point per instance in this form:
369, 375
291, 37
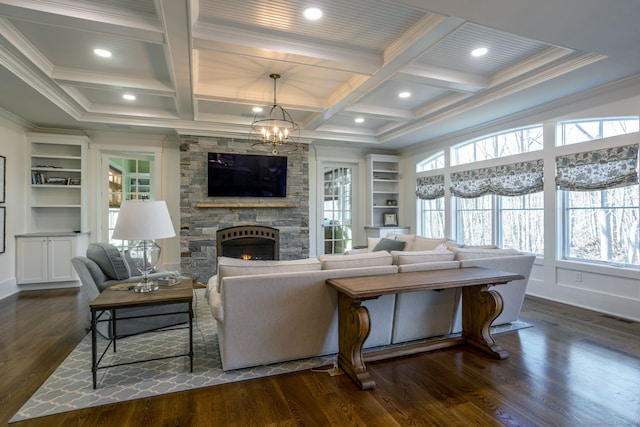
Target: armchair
105, 266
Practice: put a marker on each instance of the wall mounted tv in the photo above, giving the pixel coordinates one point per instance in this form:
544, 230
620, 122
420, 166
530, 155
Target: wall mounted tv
246, 175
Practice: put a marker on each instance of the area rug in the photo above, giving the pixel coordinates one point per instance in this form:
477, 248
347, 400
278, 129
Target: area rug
70, 387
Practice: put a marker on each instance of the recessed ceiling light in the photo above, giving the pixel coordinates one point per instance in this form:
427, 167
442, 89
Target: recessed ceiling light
481, 51
129, 97
102, 52
404, 94
312, 13
257, 109
359, 120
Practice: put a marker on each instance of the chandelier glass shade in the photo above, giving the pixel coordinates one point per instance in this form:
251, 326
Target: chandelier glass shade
274, 131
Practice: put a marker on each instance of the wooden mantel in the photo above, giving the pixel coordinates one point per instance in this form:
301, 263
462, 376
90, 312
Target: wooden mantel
245, 205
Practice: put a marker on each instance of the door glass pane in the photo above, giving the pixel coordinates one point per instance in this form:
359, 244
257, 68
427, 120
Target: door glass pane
129, 179
337, 223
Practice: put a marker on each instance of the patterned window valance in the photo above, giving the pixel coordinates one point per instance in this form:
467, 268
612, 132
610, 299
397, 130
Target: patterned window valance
598, 170
516, 179
430, 187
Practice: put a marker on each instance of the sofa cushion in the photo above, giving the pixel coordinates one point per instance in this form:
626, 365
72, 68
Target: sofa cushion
110, 260
415, 257
477, 253
239, 267
369, 259
428, 266
389, 245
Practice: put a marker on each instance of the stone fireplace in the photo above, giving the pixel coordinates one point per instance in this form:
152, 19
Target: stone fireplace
250, 242
202, 217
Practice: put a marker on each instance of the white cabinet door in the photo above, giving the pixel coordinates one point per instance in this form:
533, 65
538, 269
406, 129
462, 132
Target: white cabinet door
60, 250
45, 259
31, 260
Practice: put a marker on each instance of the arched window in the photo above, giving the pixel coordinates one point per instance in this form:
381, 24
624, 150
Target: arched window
498, 145
576, 131
432, 163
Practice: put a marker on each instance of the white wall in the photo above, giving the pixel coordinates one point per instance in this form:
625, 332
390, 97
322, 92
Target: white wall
13, 145
606, 289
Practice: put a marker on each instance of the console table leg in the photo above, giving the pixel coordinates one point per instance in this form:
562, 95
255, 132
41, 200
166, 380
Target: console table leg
480, 307
354, 326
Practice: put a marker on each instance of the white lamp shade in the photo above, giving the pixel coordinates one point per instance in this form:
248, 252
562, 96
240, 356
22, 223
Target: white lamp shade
143, 220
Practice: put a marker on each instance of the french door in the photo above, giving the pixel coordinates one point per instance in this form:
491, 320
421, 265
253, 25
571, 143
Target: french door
338, 200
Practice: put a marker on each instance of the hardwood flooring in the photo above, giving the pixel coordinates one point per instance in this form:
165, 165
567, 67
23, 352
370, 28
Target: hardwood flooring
573, 368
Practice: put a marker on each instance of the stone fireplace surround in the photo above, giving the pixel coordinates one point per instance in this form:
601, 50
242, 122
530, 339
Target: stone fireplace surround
201, 217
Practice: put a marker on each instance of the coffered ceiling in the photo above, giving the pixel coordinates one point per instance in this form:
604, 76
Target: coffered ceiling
200, 66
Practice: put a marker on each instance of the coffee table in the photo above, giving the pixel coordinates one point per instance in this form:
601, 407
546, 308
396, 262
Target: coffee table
110, 300
480, 306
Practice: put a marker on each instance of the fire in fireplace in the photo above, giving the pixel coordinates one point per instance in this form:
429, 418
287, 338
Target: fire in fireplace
249, 242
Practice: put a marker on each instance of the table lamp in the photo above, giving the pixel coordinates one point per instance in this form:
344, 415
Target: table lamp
144, 221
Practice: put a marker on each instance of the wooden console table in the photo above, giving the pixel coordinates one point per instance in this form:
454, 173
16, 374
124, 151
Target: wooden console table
480, 306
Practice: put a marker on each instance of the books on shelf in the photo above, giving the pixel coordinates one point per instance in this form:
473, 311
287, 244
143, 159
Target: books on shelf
40, 178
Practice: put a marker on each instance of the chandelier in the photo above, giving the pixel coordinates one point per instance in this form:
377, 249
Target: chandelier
276, 131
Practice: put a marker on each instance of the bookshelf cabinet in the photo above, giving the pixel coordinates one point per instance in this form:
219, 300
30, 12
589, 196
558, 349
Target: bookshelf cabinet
57, 213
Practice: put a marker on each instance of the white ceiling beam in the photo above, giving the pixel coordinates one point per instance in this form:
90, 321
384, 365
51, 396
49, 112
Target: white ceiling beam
425, 34
176, 22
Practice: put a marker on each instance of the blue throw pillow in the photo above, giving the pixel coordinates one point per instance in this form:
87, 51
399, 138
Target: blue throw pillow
389, 245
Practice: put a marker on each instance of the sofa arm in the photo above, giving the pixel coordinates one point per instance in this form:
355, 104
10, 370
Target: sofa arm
215, 302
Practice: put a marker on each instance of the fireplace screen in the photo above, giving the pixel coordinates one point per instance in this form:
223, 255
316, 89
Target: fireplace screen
249, 242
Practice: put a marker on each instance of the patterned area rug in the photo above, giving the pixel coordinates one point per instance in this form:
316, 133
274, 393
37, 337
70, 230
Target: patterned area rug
70, 387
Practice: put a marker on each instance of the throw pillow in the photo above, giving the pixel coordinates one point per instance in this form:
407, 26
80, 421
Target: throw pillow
426, 244
110, 260
389, 245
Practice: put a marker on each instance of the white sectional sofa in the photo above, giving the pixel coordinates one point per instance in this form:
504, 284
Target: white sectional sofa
274, 311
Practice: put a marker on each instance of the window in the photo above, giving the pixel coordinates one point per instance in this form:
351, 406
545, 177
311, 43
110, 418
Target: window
603, 225
474, 222
432, 217
499, 145
573, 132
521, 222
601, 199
432, 163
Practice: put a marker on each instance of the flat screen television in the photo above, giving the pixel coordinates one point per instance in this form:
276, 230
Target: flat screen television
246, 175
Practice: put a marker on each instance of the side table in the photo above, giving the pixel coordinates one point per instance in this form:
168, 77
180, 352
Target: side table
110, 300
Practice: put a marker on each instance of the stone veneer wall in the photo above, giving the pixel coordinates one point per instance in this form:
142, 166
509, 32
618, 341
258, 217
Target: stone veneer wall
198, 225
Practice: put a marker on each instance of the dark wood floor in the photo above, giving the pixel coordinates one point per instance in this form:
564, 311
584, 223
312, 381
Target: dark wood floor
573, 368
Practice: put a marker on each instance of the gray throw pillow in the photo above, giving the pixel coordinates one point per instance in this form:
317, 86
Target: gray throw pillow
389, 245
110, 260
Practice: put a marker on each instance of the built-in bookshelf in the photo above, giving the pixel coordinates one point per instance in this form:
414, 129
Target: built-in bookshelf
57, 168
383, 190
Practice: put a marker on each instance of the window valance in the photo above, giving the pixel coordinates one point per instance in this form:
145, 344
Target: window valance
598, 170
430, 187
516, 179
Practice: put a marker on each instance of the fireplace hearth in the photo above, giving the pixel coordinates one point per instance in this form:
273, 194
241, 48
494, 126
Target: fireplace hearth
249, 242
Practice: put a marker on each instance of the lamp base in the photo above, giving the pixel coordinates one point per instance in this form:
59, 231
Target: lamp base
148, 286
